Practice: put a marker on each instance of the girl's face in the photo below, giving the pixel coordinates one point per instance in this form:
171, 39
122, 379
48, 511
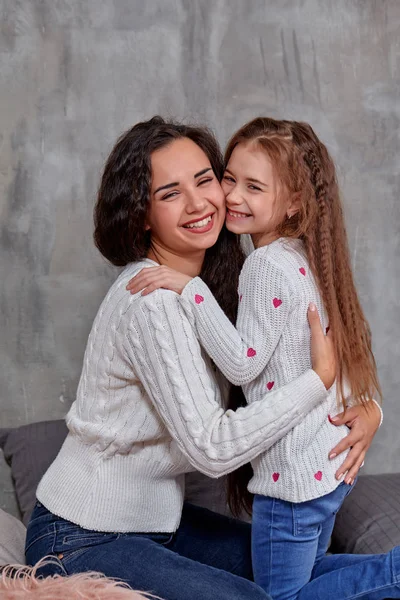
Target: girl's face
187, 208
255, 200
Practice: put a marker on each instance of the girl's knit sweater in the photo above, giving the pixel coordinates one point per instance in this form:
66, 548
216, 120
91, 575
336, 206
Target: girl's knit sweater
148, 410
269, 348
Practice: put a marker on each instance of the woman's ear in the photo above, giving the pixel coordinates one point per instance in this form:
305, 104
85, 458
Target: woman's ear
294, 205
147, 227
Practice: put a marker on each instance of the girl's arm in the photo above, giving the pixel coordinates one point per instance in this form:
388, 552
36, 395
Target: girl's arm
242, 353
167, 358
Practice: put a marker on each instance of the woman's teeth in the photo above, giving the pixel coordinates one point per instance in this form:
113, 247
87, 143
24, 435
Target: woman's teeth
199, 224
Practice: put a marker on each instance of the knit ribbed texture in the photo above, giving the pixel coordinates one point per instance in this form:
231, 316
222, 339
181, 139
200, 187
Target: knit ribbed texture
269, 348
148, 410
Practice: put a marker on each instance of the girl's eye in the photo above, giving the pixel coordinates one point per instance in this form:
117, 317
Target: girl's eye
229, 179
254, 187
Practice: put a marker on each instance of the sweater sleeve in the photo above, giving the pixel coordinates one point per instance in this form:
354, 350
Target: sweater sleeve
168, 361
242, 353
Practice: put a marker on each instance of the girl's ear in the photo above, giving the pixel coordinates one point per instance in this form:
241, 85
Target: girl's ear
294, 205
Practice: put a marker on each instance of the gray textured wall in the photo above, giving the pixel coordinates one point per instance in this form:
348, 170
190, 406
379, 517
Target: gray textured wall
75, 74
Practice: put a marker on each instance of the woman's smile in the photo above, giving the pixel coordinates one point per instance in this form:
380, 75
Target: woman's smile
201, 225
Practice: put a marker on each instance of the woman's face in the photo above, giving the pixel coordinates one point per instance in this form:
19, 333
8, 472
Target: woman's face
187, 208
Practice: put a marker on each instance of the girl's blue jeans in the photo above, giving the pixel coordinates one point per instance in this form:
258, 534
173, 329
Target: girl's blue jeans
208, 558
289, 544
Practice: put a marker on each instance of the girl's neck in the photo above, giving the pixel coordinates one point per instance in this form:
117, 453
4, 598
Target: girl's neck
189, 265
263, 239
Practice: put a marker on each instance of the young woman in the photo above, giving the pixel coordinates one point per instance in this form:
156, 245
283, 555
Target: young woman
148, 407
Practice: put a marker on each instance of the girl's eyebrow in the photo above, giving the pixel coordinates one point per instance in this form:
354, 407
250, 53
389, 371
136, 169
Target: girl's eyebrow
249, 179
256, 181
174, 183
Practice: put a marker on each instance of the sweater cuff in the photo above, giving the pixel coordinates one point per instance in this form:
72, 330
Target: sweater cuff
311, 390
195, 285
380, 409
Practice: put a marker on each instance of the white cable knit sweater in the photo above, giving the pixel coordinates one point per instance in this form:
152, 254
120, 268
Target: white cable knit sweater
148, 410
269, 348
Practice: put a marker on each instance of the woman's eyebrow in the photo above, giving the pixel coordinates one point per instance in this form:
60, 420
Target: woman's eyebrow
167, 186
174, 183
200, 173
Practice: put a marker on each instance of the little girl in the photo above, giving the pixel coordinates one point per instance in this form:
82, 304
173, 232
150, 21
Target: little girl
281, 188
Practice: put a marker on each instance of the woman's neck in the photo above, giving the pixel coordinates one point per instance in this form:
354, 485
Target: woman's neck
189, 265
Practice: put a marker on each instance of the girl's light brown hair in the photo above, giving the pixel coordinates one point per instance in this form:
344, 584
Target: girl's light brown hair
304, 168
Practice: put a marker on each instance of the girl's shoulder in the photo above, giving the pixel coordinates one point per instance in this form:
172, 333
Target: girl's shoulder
284, 253
285, 258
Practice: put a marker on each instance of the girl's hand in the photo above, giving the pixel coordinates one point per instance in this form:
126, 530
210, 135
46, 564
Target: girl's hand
364, 423
322, 352
153, 278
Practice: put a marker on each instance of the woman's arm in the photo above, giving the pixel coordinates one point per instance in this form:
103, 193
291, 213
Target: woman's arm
167, 358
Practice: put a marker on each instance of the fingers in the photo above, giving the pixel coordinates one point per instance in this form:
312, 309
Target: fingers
349, 441
150, 288
344, 417
353, 471
144, 279
352, 464
314, 321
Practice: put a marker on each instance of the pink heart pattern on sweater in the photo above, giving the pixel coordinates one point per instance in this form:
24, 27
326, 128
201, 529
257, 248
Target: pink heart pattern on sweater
275, 476
251, 352
318, 475
198, 299
302, 271
270, 385
276, 302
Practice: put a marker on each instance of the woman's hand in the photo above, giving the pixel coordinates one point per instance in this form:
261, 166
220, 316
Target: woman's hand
153, 278
363, 422
322, 352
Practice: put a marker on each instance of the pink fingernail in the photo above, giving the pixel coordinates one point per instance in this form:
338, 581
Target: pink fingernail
332, 455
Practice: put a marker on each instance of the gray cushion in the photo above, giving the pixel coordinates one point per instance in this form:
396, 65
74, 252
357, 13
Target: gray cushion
12, 540
369, 520
29, 450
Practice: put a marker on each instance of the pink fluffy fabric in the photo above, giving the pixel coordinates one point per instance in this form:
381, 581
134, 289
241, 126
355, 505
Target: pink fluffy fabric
21, 583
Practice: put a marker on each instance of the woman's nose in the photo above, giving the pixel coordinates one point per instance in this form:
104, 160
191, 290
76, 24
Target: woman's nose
196, 202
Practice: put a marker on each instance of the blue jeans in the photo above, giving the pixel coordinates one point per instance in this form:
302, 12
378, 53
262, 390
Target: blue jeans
208, 557
289, 544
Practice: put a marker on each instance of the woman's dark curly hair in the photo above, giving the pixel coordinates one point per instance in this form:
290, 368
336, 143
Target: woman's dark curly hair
120, 217
123, 203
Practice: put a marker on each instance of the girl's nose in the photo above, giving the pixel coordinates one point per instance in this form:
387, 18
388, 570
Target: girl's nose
234, 198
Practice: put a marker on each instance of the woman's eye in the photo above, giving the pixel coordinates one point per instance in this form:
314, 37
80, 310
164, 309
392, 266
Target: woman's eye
169, 196
205, 180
